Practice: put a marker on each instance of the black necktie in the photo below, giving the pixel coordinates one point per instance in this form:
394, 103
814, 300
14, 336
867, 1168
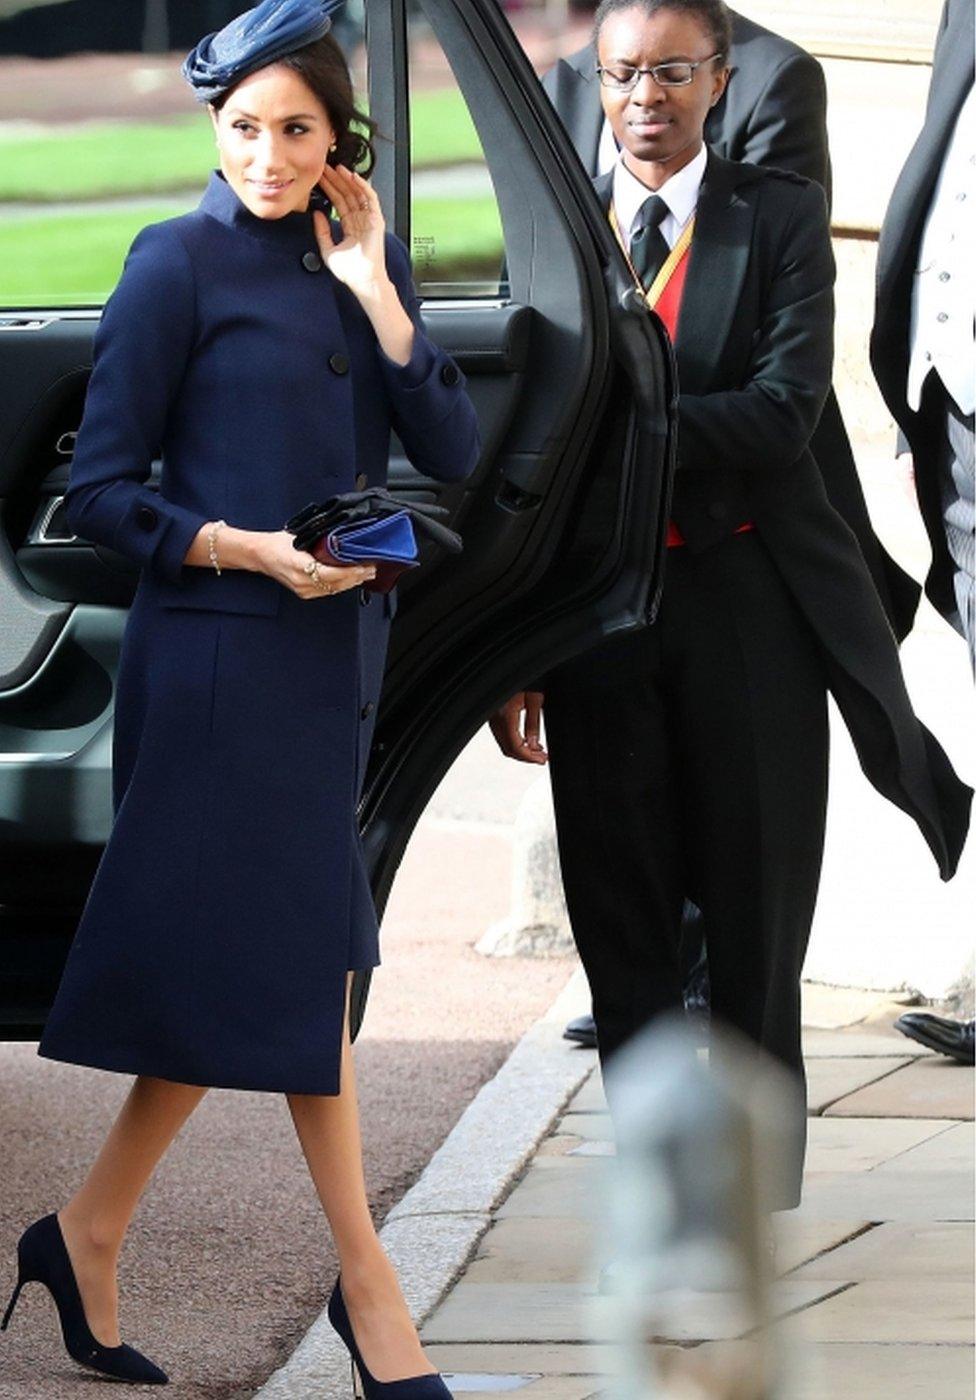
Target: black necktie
648, 247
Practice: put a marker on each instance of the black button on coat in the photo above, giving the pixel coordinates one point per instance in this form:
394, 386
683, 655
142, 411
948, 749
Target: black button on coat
232, 897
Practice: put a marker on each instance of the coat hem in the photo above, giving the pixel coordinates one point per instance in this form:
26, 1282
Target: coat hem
131, 1064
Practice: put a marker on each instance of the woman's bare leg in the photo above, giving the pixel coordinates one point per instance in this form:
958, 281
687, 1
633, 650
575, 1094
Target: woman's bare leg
328, 1129
95, 1219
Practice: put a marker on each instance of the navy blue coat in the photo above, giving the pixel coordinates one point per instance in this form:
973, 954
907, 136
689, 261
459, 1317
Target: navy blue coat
231, 899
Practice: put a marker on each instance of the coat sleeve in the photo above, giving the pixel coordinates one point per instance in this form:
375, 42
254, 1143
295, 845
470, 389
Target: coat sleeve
141, 350
787, 125
432, 414
767, 422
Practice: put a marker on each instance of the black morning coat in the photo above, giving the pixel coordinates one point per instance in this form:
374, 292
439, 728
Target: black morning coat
762, 243
232, 899
901, 233
773, 112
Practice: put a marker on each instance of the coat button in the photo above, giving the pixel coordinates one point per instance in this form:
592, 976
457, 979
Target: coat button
718, 510
339, 364
362, 481
450, 374
311, 262
146, 518
367, 710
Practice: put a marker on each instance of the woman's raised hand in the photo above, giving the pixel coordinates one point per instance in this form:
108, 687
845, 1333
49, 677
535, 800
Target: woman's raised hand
359, 258
293, 567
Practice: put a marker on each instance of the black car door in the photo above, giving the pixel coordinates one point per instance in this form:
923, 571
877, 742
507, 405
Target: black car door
563, 520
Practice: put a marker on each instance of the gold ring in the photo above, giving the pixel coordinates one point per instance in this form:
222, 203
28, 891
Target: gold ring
312, 567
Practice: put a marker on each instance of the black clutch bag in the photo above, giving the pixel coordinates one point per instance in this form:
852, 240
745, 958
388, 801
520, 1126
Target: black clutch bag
370, 526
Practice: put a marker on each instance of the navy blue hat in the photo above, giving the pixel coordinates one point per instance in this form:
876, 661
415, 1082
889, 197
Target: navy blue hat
256, 38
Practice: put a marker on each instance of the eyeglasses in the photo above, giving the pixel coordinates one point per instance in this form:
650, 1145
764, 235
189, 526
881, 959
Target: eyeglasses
624, 78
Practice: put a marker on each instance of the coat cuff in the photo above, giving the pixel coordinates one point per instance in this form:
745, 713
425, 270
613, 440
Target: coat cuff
159, 535
417, 370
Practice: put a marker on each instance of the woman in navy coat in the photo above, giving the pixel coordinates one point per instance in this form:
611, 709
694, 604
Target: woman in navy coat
269, 352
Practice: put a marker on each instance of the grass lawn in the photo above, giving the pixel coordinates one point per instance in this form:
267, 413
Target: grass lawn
116, 158
75, 259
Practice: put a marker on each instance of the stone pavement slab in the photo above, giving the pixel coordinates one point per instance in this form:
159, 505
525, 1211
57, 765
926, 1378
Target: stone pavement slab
858, 1144
544, 1250
877, 1293
895, 1310
857, 1043
473, 1386
558, 1186
522, 1358
951, 1150
927, 1253
832, 1080
872, 1371
568, 1313
590, 1098
800, 1239
882, 1195
925, 1088
588, 1125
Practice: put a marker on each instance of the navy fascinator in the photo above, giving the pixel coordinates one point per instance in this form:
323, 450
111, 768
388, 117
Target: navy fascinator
257, 37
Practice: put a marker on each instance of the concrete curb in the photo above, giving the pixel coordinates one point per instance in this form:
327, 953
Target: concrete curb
433, 1231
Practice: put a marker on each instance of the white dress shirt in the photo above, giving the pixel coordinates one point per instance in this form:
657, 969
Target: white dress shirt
944, 286
680, 194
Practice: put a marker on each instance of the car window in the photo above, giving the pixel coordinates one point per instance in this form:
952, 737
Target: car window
456, 230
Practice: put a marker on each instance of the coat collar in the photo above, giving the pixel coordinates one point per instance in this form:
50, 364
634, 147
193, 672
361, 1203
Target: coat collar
716, 269
292, 233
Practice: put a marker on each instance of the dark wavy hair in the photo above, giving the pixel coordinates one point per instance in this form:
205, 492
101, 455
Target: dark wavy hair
714, 15
322, 67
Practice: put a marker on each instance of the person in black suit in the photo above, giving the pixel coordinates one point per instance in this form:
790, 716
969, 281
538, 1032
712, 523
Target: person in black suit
691, 757
922, 356
922, 340
772, 112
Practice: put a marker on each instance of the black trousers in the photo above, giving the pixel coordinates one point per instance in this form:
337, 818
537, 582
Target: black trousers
690, 759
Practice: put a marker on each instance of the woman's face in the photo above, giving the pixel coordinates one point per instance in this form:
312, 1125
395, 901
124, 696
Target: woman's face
273, 135
659, 128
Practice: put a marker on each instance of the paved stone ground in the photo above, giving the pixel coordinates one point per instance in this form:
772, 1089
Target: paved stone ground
876, 1264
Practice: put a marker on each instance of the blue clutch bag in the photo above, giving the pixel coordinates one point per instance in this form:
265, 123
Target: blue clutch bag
369, 526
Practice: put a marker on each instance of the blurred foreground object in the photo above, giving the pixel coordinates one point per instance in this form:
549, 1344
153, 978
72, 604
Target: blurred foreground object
701, 1150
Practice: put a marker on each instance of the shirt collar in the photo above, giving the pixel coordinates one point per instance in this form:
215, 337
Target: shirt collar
292, 233
680, 192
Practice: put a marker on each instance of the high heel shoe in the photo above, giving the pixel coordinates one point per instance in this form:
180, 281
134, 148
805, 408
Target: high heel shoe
42, 1257
426, 1387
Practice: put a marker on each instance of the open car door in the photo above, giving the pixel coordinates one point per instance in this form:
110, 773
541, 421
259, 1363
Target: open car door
563, 521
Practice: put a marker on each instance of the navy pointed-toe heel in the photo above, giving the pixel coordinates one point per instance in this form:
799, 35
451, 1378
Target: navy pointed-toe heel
426, 1387
42, 1257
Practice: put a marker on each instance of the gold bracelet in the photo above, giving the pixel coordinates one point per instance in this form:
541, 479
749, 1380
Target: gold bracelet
212, 542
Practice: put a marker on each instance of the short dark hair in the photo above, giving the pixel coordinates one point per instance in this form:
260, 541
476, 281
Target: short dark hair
714, 15
323, 67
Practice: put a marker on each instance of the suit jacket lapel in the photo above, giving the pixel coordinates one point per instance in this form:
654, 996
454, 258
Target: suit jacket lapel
717, 267
603, 184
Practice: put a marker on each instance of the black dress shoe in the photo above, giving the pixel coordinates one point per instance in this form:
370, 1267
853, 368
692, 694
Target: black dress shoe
957, 1039
582, 1030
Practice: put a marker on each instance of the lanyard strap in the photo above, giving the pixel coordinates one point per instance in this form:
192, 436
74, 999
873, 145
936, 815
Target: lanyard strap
652, 294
